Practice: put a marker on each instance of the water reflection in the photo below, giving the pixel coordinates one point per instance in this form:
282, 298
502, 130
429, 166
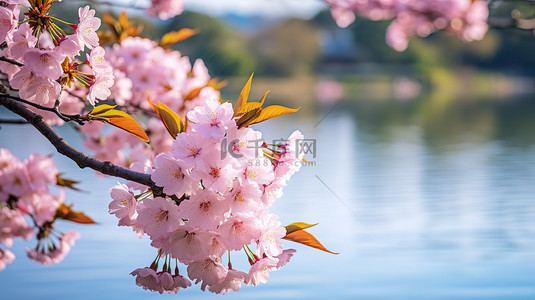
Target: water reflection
424, 199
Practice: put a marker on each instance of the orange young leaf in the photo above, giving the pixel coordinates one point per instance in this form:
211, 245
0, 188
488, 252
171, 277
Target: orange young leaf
171, 120
217, 85
298, 226
273, 111
305, 238
252, 105
121, 120
244, 94
65, 212
173, 37
193, 93
68, 183
101, 109
247, 117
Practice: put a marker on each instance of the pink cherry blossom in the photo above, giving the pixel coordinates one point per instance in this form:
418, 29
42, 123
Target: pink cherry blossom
45, 63
66, 242
7, 22
232, 282
216, 174
96, 59
23, 40
189, 147
42, 206
147, 278
270, 241
87, 27
284, 257
204, 209
259, 272
172, 283
166, 9
239, 230
244, 198
34, 88
159, 216
244, 143
6, 257
100, 89
208, 271
123, 205
41, 171
212, 119
258, 171
70, 46
172, 175
187, 244
12, 225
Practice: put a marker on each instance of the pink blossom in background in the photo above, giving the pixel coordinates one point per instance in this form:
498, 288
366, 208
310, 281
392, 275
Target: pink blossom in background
329, 91
24, 193
465, 18
6, 257
166, 9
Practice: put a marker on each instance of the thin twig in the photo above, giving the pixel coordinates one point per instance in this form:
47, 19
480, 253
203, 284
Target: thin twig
65, 117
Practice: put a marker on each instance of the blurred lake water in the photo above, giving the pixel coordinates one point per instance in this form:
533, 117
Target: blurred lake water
425, 199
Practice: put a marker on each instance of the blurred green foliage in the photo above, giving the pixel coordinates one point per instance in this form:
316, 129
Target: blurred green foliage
224, 51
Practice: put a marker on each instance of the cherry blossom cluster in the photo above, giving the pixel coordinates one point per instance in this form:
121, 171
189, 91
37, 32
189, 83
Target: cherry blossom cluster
166, 9
24, 196
49, 56
142, 69
465, 18
220, 180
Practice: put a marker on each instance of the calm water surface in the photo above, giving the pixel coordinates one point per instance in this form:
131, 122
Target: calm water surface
424, 200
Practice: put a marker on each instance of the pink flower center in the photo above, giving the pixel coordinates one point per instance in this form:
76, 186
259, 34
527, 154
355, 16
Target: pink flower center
215, 172
205, 206
161, 216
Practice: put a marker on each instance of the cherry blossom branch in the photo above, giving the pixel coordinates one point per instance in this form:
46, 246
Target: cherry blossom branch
81, 159
13, 121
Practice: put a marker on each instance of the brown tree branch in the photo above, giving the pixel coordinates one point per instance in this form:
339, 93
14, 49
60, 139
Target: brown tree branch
82, 159
65, 117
